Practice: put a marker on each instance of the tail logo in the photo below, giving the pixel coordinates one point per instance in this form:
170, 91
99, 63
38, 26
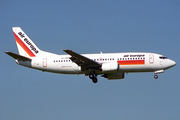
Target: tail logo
28, 42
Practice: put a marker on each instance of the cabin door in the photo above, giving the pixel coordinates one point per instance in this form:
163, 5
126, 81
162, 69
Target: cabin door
151, 59
44, 62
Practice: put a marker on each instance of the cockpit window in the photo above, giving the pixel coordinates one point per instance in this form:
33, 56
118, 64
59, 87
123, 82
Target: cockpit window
163, 57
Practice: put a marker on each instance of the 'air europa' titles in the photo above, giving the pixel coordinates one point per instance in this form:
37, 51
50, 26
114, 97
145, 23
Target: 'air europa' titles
28, 42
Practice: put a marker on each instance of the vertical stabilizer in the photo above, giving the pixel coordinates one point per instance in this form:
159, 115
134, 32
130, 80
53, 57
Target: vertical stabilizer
25, 45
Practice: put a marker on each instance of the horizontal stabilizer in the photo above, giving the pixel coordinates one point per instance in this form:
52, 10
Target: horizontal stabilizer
17, 57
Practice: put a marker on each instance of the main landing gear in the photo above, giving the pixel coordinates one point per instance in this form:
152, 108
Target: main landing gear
93, 77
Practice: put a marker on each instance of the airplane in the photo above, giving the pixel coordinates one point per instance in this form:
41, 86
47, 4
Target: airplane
112, 66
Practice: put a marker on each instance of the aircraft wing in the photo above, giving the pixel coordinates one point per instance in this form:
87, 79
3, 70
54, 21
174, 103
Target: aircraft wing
81, 60
17, 57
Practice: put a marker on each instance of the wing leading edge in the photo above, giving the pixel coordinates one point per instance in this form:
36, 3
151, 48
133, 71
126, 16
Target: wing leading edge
82, 61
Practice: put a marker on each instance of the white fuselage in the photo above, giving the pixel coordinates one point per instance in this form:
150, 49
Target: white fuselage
128, 62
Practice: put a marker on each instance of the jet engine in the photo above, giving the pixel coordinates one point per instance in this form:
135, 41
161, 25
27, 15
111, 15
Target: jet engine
108, 67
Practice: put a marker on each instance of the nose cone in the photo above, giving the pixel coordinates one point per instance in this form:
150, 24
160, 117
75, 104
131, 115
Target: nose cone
171, 63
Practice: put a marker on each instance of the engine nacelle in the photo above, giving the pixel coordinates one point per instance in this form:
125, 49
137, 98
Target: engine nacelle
107, 67
113, 76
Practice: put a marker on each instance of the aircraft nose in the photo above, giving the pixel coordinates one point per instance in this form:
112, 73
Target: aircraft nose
172, 63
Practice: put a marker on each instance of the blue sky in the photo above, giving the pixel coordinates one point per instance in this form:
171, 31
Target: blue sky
90, 27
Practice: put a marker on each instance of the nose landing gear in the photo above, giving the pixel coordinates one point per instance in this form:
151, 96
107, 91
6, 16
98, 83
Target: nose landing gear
156, 76
157, 72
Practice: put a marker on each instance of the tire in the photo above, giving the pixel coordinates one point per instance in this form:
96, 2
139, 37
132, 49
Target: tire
156, 76
94, 80
91, 76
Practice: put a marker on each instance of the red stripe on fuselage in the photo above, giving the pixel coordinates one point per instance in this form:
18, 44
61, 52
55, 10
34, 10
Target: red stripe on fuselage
131, 62
21, 43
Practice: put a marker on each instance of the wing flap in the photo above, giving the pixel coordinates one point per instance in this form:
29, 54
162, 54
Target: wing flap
17, 57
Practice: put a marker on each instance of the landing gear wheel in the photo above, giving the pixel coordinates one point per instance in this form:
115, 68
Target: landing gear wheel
91, 76
155, 76
95, 80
